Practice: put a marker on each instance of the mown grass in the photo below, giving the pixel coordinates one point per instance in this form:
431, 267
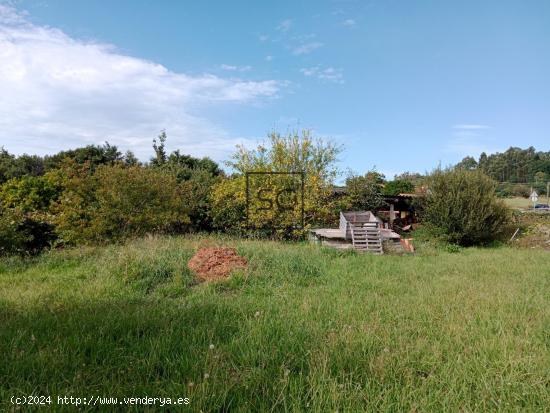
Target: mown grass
524, 203
304, 329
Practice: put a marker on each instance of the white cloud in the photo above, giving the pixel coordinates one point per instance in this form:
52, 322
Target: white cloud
349, 22
306, 48
268, 58
285, 25
329, 74
59, 92
235, 68
470, 140
263, 38
471, 127
309, 71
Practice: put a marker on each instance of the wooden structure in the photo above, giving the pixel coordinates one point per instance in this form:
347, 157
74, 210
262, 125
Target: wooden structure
366, 237
357, 218
399, 211
360, 230
363, 228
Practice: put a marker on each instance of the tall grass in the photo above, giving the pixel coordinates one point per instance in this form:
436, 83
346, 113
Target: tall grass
304, 329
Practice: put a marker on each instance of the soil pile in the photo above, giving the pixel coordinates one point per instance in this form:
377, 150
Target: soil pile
216, 263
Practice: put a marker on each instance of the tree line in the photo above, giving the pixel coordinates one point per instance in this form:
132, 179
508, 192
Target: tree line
97, 194
516, 169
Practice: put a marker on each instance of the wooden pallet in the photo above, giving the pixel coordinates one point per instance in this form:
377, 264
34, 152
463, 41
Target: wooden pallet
365, 236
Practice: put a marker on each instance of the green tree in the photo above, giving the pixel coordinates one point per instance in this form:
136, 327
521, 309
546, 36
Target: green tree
130, 159
30, 194
515, 165
414, 178
397, 187
91, 155
364, 193
541, 177
12, 166
462, 206
541, 180
184, 166
468, 163
197, 175
160, 151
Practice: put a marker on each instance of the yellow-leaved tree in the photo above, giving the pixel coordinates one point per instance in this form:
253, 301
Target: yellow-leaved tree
290, 179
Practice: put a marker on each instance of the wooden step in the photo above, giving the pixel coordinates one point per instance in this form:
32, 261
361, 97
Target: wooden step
366, 237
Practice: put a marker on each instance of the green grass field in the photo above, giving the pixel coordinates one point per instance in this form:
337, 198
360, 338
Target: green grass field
305, 329
523, 203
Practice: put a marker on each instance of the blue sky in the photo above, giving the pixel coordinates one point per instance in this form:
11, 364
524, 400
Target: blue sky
403, 85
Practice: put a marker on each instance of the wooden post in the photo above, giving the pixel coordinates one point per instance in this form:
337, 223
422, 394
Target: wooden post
392, 215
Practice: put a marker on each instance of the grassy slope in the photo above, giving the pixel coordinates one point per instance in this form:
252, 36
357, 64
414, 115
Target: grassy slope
306, 329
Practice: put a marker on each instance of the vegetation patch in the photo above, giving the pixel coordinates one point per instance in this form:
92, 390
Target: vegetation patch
146, 264
461, 206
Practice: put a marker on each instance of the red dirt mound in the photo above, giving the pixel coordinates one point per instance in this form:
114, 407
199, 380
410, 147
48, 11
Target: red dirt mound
216, 263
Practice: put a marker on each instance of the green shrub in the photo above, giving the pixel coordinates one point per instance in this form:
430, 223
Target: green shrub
31, 194
522, 190
12, 240
504, 189
25, 224
118, 202
22, 234
462, 205
228, 204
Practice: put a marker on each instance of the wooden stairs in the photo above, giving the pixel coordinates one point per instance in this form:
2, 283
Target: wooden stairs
365, 236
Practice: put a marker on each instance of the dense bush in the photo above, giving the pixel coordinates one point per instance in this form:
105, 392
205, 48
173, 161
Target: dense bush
25, 221
12, 239
118, 202
23, 233
228, 204
96, 194
31, 193
462, 206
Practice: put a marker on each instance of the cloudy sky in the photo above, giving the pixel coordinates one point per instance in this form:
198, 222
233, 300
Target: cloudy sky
401, 85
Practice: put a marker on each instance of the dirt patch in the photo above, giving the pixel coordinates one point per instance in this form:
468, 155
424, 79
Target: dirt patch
216, 263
